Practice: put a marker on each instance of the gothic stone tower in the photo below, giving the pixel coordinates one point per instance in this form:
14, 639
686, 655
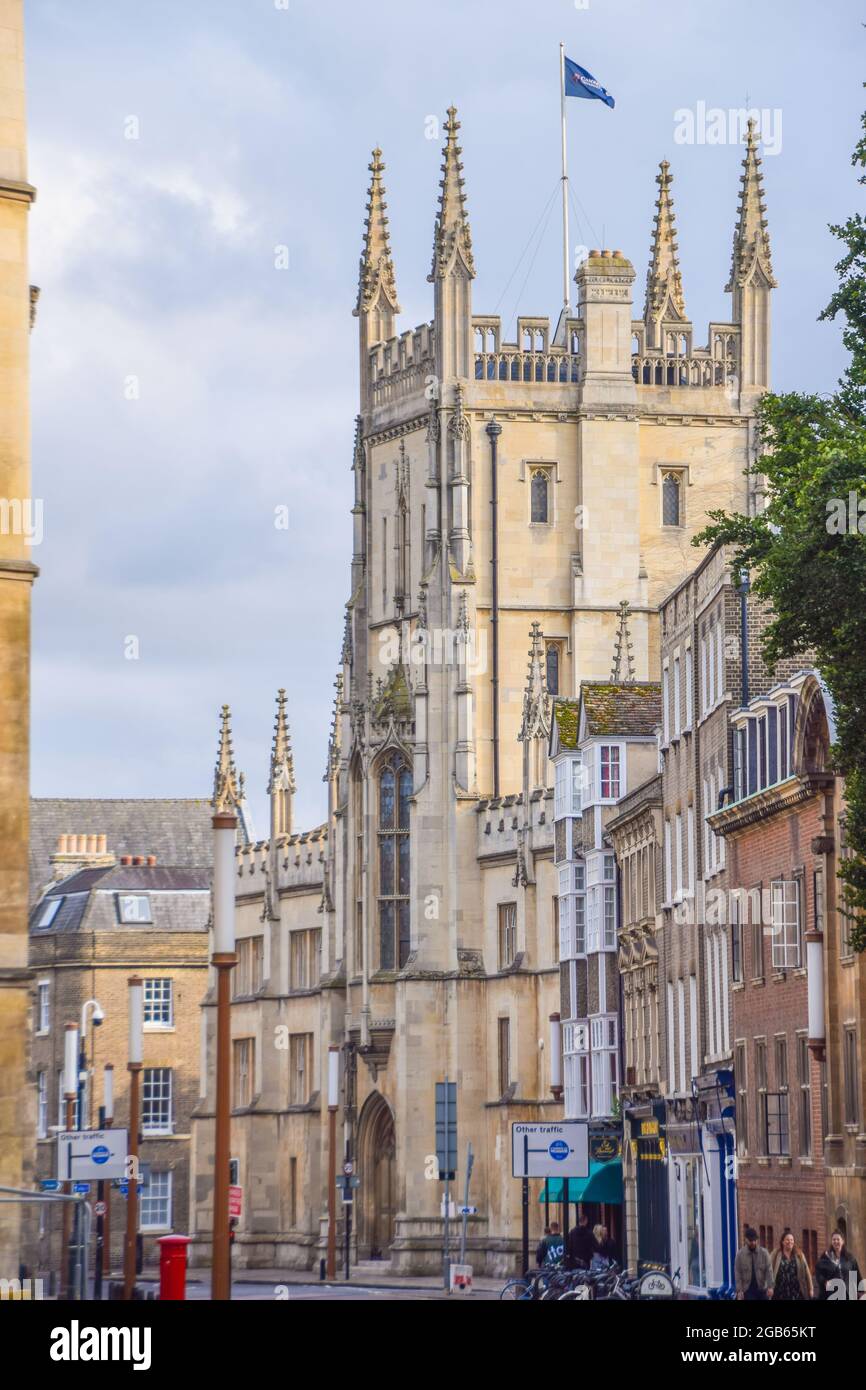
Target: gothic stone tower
502, 487
17, 1106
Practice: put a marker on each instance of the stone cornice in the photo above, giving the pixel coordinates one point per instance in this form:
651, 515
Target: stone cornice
762, 805
17, 192
18, 569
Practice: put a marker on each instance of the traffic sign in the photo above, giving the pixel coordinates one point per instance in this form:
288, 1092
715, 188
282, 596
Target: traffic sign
236, 1201
349, 1168
550, 1151
467, 1211
50, 1185
99, 1208
82, 1188
91, 1153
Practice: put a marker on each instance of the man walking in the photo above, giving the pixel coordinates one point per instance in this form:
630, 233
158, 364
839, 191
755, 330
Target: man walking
753, 1270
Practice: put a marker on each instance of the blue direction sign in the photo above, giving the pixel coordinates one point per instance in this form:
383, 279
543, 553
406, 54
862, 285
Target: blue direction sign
50, 1185
88, 1154
81, 1187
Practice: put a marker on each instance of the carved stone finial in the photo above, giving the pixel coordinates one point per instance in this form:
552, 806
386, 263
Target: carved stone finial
377, 268
751, 254
452, 238
536, 700
622, 651
282, 761
664, 283
228, 787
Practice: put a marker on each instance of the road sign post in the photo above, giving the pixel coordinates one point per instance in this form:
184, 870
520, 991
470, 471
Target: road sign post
547, 1151
446, 1158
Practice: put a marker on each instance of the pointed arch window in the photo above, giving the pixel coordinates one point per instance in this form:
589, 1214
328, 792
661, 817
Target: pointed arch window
672, 498
395, 791
539, 488
551, 659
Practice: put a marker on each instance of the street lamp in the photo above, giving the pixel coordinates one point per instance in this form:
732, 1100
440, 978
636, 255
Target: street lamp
83, 1089
223, 959
70, 1090
134, 1061
333, 1102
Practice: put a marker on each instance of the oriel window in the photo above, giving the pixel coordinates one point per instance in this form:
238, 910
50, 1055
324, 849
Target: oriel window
395, 791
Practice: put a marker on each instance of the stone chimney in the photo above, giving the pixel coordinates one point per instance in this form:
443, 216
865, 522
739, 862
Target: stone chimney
76, 852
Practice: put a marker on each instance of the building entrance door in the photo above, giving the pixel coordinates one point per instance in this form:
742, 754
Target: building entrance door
377, 1163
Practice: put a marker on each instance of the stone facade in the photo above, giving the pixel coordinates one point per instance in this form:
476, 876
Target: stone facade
499, 487
106, 920
17, 525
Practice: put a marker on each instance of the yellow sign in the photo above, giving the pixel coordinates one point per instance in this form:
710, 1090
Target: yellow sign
649, 1128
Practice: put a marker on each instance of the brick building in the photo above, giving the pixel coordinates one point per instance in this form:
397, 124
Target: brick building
103, 918
774, 828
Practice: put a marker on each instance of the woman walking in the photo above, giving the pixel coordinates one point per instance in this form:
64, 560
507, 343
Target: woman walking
791, 1277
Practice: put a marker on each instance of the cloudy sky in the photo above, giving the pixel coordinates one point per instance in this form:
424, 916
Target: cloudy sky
184, 387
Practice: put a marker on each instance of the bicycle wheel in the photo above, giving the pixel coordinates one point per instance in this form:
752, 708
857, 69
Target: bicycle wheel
517, 1288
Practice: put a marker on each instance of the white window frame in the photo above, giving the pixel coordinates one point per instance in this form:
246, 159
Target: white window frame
689, 679
678, 855
124, 899
677, 693
158, 1025
690, 836
694, 1060
43, 1007
166, 1102
666, 721
618, 764
785, 900
42, 1105
667, 866
167, 1196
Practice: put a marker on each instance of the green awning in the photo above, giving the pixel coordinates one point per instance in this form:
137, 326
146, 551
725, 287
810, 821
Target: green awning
604, 1184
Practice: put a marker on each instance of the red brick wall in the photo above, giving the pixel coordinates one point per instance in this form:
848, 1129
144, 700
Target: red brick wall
775, 1192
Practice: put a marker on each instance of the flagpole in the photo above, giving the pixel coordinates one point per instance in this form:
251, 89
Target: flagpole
565, 277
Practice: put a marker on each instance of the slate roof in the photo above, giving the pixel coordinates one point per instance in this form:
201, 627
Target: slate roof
179, 900
632, 709
177, 831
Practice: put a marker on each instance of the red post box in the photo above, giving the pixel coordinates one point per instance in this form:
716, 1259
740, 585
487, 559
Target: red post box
172, 1266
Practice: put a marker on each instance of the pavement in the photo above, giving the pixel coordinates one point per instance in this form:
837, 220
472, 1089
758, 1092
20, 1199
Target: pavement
297, 1284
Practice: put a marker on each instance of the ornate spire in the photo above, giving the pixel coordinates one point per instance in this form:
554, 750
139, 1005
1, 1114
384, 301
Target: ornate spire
664, 283
377, 267
228, 787
536, 700
451, 236
751, 238
282, 776
622, 651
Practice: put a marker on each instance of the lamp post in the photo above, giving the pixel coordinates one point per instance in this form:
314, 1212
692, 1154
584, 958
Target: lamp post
333, 1101
103, 1189
70, 1091
223, 960
556, 1092
136, 1053
84, 1121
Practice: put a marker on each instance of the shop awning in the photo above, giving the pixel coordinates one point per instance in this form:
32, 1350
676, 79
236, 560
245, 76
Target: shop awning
604, 1184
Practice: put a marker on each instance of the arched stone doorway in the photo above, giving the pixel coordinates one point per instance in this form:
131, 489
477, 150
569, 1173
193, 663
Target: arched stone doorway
377, 1165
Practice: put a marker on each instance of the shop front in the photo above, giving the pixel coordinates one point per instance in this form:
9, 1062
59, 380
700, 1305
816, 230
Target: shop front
647, 1188
702, 1187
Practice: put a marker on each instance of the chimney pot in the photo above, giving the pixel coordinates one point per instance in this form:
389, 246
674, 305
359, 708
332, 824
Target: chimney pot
137, 859
126, 859
102, 844
151, 860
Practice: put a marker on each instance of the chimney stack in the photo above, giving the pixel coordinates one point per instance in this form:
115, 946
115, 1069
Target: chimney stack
74, 852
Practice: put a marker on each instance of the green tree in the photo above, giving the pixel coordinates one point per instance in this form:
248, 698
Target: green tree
806, 552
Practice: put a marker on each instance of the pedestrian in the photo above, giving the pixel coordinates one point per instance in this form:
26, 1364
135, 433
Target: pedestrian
581, 1243
551, 1247
792, 1282
753, 1270
837, 1273
604, 1245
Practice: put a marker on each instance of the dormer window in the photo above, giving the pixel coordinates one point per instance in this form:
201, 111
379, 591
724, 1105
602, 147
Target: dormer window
609, 769
133, 908
52, 907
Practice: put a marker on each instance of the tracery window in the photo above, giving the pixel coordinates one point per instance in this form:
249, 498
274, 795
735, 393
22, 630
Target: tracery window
672, 499
540, 497
395, 790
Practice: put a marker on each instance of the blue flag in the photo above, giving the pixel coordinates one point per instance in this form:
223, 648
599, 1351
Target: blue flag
580, 83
